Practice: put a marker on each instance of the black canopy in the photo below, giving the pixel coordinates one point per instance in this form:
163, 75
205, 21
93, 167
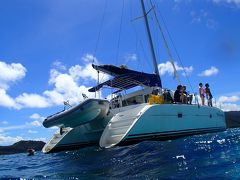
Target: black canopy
125, 78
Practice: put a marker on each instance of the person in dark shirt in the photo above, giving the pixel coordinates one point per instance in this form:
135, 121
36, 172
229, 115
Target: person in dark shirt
208, 94
177, 94
167, 96
184, 95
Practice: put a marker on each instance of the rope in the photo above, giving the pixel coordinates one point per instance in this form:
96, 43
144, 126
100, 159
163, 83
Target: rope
166, 45
100, 30
175, 49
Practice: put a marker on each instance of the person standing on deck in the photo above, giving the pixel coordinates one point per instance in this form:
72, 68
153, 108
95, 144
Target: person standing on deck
201, 92
208, 95
177, 94
184, 95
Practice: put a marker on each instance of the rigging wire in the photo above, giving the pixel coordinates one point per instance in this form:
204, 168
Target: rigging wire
166, 44
98, 38
139, 40
119, 34
175, 49
100, 30
136, 42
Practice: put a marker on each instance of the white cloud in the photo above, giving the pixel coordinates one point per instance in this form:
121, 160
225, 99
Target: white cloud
198, 17
10, 73
55, 97
232, 2
209, 72
167, 68
66, 89
5, 139
36, 123
8, 140
6, 100
59, 65
65, 82
27, 125
228, 103
32, 101
225, 103
89, 58
23, 101
54, 73
4, 122
16, 127
203, 17
130, 57
10, 128
235, 2
228, 99
229, 106
32, 132
36, 116
86, 73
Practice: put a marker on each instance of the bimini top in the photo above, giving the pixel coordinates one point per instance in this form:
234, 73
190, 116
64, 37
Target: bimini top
125, 78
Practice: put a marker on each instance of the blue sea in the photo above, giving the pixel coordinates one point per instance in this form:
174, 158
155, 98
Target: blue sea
215, 155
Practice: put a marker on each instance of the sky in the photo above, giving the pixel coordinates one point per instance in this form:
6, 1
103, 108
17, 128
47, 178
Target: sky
47, 48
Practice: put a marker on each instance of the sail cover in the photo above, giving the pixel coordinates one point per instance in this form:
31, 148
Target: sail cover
125, 78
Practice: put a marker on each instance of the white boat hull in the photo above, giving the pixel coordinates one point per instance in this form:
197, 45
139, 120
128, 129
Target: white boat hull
136, 123
161, 121
168, 121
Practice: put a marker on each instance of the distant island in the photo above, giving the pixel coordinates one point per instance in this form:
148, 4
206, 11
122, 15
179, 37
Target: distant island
21, 147
232, 119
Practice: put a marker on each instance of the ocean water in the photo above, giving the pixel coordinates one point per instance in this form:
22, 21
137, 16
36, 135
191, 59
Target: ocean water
215, 155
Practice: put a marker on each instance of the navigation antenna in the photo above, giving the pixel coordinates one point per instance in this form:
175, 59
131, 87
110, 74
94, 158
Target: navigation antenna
151, 43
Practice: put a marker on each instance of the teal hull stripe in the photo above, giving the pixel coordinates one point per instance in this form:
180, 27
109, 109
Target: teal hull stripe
164, 137
169, 133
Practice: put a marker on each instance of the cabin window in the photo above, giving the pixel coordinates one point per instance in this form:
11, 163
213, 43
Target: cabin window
179, 115
133, 100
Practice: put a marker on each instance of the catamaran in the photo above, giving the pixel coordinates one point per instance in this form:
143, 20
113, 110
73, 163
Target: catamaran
129, 118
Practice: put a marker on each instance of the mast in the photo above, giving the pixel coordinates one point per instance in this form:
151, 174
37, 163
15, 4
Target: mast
151, 43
